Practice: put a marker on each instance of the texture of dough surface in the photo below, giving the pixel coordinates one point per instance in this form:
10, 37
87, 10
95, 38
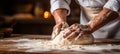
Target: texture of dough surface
60, 40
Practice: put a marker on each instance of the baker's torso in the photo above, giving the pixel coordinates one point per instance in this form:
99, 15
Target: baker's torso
91, 8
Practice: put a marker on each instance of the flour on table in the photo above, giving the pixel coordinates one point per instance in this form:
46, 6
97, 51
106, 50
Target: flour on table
45, 45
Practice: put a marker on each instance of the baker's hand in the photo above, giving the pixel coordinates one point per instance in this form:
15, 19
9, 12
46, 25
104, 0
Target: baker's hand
75, 31
59, 27
72, 32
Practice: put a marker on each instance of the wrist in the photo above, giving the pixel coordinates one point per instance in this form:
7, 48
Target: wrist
60, 15
61, 21
85, 29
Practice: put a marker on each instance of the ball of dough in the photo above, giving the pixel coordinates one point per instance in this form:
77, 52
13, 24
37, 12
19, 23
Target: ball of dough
60, 40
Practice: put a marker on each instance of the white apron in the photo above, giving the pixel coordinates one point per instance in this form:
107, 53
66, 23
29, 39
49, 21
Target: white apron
91, 8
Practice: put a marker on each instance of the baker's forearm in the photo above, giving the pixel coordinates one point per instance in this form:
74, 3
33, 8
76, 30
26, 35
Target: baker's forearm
105, 16
60, 15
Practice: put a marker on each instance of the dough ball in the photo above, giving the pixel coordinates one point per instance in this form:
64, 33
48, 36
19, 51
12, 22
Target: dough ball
60, 40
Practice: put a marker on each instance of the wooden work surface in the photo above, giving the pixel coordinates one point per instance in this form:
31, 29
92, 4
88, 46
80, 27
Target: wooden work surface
7, 48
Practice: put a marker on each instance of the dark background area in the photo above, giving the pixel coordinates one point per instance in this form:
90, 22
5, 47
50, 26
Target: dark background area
39, 25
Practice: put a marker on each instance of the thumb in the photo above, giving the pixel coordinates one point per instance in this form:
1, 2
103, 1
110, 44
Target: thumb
56, 31
64, 25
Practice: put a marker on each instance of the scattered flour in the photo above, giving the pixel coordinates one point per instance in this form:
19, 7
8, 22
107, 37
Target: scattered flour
45, 45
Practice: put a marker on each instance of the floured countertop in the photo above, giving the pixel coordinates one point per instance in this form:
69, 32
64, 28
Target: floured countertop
32, 44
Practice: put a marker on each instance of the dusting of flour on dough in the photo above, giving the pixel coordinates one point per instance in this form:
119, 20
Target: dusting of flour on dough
84, 39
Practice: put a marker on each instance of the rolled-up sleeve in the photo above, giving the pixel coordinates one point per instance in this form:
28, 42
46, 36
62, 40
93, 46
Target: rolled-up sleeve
114, 5
56, 4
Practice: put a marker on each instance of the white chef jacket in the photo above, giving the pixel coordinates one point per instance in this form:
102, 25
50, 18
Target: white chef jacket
112, 28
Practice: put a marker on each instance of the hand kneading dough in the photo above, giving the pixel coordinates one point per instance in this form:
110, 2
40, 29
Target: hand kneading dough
60, 40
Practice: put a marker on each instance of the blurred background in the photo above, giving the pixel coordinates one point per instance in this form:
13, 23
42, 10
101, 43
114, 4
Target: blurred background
32, 16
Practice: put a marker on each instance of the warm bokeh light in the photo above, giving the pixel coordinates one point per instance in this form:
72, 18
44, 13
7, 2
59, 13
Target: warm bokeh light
47, 14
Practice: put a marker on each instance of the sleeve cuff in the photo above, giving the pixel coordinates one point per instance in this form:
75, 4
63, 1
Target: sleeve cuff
112, 5
59, 4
